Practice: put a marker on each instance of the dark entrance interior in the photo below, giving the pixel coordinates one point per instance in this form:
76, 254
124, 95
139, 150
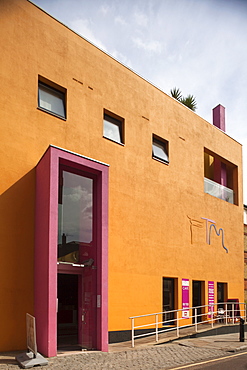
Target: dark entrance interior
221, 294
168, 300
67, 316
197, 299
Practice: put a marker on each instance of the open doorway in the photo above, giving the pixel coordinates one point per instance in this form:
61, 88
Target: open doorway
221, 294
169, 293
198, 299
67, 315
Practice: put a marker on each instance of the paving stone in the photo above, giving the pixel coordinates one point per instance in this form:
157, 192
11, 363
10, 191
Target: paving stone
161, 357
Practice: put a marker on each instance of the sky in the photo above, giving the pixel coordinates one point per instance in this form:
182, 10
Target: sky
198, 46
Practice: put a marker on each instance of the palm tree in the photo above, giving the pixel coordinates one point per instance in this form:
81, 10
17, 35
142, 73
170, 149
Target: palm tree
176, 93
189, 100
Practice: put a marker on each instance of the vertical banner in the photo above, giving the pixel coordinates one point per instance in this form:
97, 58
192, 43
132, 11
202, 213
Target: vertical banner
185, 298
210, 298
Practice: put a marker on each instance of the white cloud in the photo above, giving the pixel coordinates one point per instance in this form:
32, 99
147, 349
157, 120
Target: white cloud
140, 19
77, 209
82, 26
104, 9
150, 46
78, 193
120, 20
121, 58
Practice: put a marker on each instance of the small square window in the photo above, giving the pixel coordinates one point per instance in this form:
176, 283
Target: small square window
51, 100
113, 128
160, 149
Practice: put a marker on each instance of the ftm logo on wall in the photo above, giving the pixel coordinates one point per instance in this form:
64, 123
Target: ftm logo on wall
209, 226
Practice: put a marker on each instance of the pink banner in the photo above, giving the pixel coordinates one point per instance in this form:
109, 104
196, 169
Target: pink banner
210, 297
185, 298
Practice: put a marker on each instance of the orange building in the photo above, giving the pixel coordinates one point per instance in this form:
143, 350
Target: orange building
114, 196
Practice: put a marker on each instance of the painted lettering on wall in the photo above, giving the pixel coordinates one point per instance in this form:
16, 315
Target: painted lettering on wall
210, 225
194, 223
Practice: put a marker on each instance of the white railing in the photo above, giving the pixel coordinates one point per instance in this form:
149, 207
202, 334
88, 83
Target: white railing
218, 190
223, 313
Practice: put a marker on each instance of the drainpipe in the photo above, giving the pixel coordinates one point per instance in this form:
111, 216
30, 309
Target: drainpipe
219, 121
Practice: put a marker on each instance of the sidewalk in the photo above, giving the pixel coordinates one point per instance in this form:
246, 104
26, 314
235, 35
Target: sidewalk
224, 342
150, 357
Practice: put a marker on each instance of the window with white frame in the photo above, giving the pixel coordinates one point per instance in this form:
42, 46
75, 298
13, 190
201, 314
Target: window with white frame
160, 149
51, 100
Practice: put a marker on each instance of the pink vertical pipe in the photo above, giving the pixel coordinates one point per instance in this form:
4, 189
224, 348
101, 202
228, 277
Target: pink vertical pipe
219, 117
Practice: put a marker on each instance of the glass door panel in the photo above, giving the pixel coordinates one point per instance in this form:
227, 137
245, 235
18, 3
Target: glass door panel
77, 245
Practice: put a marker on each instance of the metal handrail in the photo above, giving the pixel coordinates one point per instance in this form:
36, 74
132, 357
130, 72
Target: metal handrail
209, 315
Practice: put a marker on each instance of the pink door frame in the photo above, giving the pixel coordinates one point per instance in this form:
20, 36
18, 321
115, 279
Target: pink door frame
45, 264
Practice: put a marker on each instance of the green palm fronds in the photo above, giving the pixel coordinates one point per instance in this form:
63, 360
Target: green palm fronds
189, 100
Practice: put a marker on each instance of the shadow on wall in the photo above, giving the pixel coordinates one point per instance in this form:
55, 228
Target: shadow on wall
17, 220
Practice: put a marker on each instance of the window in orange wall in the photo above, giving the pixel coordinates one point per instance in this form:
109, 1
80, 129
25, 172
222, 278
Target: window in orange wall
75, 214
51, 100
220, 177
160, 149
113, 127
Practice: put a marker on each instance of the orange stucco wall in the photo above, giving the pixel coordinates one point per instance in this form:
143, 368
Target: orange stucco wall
149, 202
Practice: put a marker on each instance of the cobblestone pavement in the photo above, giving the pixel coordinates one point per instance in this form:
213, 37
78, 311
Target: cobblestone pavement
165, 356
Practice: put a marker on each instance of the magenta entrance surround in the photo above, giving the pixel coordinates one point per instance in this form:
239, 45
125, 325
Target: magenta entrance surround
45, 264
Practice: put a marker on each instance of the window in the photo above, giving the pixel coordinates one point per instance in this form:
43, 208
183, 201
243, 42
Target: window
113, 127
160, 149
75, 215
51, 100
220, 177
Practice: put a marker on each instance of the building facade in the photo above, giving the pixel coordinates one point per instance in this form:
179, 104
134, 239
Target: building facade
114, 196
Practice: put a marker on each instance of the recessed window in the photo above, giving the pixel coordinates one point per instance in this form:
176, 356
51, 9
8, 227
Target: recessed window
220, 177
113, 128
160, 149
51, 100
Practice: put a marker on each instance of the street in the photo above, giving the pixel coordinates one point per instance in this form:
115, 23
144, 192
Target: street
237, 361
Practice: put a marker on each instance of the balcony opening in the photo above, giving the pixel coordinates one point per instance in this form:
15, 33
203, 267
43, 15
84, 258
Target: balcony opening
220, 177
